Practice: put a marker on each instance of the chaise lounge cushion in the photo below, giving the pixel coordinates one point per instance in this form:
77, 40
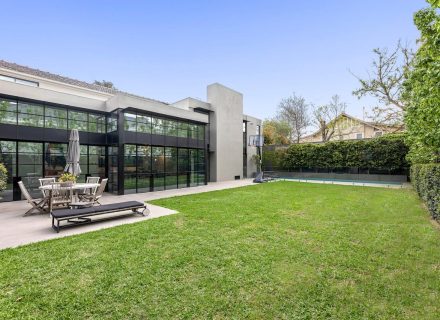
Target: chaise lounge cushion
64, 213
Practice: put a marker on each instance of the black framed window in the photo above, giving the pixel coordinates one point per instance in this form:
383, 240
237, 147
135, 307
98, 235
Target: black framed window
55, 158
130, 171
8, 111
171, 160
30, 165
143, 168
201, 132
78, 120
96, 123
96, 165
55, 118
30, 114
183, 130
158, 126
8, 152
129, 122
143, 124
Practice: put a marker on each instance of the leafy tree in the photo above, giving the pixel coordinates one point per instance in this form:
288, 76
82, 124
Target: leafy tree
105, 83
422, 90
293, 110
325, 118
276, 132
385, 83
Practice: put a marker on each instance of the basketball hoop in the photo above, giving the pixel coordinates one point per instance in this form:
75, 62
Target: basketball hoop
256, 141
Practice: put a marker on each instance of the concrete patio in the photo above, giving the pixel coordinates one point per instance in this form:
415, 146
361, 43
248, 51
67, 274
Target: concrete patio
16, 230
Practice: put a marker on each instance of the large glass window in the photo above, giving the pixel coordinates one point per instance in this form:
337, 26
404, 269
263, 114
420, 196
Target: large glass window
171, 167
55, 118
183, 167
8, 111
192, 131
113, 155
170, 128
97, 161
183, 130
112, 123
30, 165
143, 168
30, 114
78, 120
55, 158
129, 122
157, 154
143, 124
158, 126
130, 168
201, 132
8, 151
96, 123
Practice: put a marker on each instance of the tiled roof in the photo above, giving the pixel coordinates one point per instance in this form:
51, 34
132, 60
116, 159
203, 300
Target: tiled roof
66, 80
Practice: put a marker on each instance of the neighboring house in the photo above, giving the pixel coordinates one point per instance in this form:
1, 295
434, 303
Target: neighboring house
140, 144
346, 127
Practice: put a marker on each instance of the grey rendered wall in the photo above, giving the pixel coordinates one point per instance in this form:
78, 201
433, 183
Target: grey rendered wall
226, 133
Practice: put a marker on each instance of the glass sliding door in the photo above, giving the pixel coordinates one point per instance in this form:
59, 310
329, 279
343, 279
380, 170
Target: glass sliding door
143, 168
30, 165
54, 159
8, 153
158, 167
170, 168
96, 161
183, 167
113, 169
130, 171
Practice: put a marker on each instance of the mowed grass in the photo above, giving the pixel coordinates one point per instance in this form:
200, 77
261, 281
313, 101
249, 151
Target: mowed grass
281, 250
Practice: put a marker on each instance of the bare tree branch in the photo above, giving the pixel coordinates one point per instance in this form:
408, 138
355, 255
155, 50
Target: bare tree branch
385, 83
325, 118
294, 111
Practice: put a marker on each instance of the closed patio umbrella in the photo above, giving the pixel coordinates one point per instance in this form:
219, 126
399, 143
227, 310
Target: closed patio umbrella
73, 154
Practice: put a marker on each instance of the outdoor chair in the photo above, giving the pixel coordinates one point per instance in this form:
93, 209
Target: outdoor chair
90, 191
46, 181
37, 204
94, 198
61, 197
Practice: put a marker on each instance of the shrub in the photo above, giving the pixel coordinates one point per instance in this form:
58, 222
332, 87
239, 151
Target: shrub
384, 153
272, 159
3, 177
426, 181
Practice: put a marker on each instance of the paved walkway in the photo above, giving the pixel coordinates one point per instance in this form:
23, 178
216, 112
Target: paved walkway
16, 230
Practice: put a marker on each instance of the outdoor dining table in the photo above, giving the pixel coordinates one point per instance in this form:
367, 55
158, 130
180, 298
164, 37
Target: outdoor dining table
74, 187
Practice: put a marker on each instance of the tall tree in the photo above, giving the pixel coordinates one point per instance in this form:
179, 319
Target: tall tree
325, 118
385, 83
294, 111
105, 83
422, 90
276, 132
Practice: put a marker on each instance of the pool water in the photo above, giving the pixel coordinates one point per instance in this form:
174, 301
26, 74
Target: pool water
362, 182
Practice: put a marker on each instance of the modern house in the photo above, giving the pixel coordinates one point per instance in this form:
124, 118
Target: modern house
139, 143
347, 127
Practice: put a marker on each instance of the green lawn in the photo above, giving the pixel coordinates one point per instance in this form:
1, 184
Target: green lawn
278, 250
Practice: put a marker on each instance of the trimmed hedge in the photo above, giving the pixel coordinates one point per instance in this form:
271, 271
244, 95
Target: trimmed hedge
425, 179
384, 153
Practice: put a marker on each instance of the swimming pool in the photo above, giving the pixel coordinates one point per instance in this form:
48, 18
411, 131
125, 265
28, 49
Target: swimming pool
388, 184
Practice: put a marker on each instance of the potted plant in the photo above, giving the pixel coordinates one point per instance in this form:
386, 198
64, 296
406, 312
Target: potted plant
67, 179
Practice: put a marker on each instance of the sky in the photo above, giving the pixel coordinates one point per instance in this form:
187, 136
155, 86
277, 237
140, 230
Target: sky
169, 50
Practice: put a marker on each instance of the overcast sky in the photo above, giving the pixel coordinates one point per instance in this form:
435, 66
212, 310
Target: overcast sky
169, 50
